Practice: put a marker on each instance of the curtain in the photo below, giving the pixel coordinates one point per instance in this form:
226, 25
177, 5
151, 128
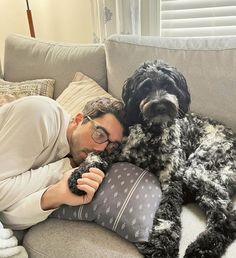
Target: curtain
198, 18
136, 17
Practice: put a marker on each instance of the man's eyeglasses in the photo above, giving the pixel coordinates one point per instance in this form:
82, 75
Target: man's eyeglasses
100, 135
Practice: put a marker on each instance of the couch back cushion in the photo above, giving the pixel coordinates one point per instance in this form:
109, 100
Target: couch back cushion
29, 58
209, 65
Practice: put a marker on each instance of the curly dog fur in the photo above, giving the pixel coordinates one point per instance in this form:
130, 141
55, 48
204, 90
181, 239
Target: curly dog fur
192, 156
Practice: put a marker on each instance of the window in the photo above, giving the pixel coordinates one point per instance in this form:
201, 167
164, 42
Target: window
198, 18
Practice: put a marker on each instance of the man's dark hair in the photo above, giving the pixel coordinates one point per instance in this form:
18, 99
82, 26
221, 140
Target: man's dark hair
103, 105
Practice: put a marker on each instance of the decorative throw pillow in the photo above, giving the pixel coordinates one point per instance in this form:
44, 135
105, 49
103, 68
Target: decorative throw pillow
125, 203
10, 91
81, 90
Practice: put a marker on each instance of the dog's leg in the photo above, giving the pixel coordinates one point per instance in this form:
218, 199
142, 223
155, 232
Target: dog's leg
147, 249
166, 230
219, 234
220, 231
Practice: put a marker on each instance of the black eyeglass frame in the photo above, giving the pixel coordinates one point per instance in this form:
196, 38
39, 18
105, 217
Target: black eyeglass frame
111, 146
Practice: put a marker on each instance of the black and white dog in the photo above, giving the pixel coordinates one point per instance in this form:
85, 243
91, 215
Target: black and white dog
194, 158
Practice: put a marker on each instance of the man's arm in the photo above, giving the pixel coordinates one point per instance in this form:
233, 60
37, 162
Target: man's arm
29, 133
21, 195
31, 197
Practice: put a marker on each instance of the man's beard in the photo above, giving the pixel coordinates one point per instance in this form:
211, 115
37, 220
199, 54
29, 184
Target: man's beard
79, 155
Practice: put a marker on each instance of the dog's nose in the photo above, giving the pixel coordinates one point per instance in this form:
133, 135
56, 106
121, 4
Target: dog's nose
160, 109
154, 108
157, 108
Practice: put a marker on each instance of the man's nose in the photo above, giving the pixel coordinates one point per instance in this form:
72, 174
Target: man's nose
100, 146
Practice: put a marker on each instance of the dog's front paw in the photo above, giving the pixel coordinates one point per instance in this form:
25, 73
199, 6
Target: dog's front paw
165, 238
165, 246
157, 249
72, 181
207, 245
146, 248
149, 250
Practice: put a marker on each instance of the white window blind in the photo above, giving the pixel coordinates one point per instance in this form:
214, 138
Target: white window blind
191, 18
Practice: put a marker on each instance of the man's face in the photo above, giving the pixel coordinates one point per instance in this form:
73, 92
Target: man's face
82, 137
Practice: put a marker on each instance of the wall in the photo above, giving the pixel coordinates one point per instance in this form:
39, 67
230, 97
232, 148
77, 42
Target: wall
56, 20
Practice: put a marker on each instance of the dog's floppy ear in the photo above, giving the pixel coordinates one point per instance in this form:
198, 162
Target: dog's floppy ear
184, 98
184, 95
127, 90
132, 113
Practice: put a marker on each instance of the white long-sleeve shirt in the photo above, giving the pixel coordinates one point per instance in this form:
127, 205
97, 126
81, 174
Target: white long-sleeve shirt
32, 137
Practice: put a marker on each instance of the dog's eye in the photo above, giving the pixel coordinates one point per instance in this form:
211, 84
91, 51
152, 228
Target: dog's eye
165, 86
169, 87
145, 86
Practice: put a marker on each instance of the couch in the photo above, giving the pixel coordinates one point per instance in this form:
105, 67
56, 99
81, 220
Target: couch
209, 66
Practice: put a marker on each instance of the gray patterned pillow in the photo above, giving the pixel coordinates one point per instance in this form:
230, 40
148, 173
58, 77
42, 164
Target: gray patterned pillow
125, 203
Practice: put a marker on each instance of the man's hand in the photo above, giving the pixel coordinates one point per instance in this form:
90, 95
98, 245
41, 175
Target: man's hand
59, 194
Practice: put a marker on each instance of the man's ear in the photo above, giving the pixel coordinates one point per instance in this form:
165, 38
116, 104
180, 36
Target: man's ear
78, 118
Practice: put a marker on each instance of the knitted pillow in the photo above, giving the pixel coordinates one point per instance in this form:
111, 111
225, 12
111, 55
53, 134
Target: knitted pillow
10, 91
125, 203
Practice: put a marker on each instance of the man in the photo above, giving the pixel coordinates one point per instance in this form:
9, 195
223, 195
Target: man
39, 144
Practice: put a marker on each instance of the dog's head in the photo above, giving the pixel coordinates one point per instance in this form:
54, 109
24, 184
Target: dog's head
155, 94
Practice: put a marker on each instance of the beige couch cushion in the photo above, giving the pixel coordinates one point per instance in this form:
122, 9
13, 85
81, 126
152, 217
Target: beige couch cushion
28, 58
207, 63
55, 238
